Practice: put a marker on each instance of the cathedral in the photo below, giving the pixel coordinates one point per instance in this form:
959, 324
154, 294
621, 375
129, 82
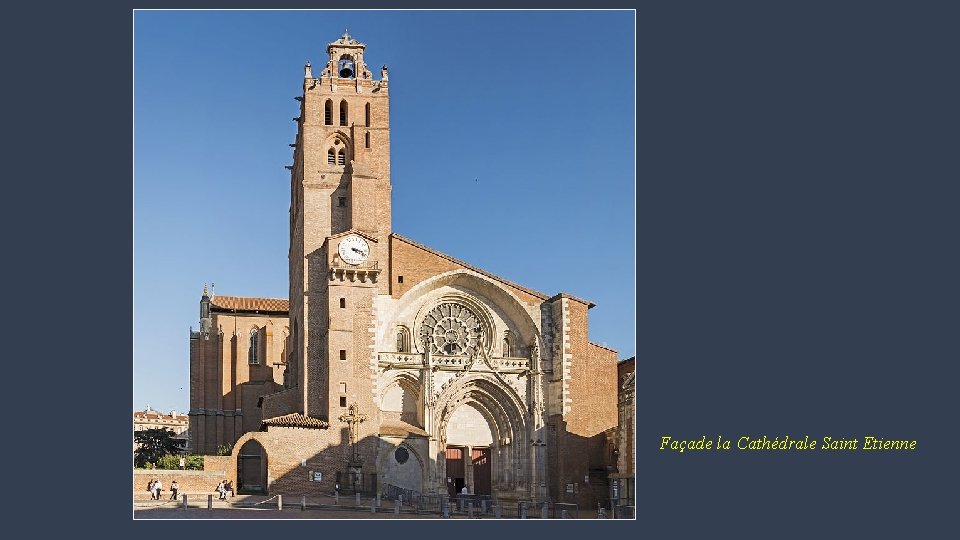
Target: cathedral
392, 367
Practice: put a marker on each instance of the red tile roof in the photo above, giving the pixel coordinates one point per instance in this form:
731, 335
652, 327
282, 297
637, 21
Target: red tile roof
298, 420
247, 303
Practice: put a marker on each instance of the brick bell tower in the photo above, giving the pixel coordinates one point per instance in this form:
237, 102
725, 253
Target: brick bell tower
339, 228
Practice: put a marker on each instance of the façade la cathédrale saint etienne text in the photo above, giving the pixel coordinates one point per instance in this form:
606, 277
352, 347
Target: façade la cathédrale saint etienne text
746, 442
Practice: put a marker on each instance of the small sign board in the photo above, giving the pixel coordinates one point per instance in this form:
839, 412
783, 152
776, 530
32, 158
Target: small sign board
317, 476
569, 488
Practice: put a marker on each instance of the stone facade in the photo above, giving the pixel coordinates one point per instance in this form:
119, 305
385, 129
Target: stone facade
395, 366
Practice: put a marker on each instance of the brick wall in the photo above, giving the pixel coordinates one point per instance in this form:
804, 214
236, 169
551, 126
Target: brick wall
591, 382
190, 481
221, 377
417, 264
294, 454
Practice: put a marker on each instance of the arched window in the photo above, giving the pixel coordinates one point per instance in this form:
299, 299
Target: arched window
341, 157
328, 113
367, 139
343, 112
507, 351
368, 114
331, 157
252, 354
403, 339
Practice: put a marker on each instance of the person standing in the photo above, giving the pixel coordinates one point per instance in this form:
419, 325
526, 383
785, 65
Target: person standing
183, 463
150, 488
157, 488
174, 488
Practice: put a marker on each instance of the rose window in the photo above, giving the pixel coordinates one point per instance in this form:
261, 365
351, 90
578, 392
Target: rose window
451, 329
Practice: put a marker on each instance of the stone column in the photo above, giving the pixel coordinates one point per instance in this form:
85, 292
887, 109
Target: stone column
468, 469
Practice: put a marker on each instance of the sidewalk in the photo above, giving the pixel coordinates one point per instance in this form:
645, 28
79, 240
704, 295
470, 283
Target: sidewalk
264, 507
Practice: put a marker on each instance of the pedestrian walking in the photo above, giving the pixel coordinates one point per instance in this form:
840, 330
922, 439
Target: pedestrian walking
158, 488
174, 488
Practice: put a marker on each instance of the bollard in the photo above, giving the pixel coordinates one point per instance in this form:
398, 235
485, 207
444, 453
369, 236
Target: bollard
396, 507
483, 506
184, 501
373, 506
279, 502
400, 498
543, 511
470, 509
523, 510
336, 497
446, 510
378, 500
303, 503
358, 499
209, 502
496, 511
564, 515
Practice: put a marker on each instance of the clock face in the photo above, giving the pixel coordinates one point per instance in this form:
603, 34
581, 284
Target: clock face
354, 250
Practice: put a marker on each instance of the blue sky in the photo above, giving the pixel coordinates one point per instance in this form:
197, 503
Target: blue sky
521, 121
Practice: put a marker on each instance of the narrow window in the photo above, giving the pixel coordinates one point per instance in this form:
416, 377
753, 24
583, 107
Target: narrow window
341, 157
368, 114
343, 401
252, 353
331, 158
367, 139
343, 354
403, 340
343, 388
343, 302
328, 113
506, 348
343, 112
399, 279
342, 202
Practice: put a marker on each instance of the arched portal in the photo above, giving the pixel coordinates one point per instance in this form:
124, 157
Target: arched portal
252, 468
481, 428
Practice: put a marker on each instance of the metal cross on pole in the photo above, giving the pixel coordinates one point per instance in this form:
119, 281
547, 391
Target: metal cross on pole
353, 419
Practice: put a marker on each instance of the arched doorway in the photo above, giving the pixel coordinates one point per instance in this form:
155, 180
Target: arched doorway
480, 419
467, 452
252, 468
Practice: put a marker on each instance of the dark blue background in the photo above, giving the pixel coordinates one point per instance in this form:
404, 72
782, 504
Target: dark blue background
797, 268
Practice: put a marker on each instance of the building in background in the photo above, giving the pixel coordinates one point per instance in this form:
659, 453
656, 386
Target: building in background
622, 484
174, 421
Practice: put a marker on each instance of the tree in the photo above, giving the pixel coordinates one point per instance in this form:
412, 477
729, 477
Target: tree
153, 444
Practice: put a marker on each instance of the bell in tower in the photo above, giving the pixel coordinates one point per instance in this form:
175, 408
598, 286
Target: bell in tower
346, 69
